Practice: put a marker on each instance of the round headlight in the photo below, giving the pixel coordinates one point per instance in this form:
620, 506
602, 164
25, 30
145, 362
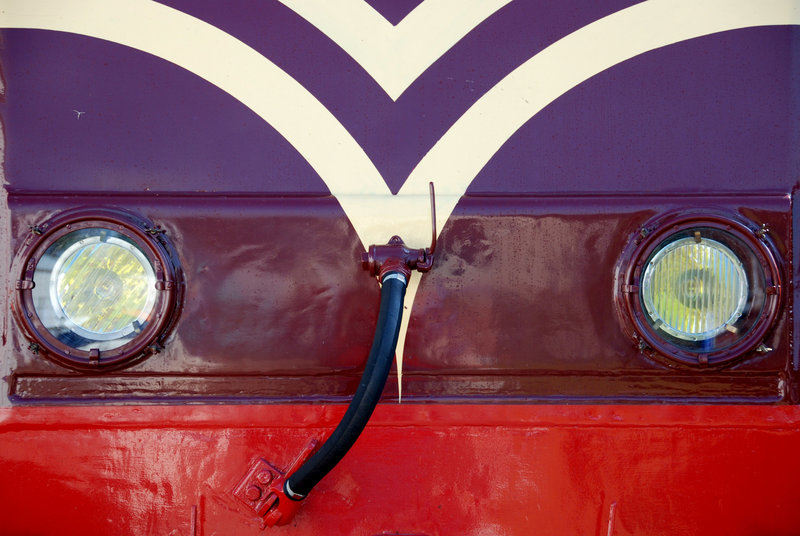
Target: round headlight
94, 289
694, 289
699, 290
98, 289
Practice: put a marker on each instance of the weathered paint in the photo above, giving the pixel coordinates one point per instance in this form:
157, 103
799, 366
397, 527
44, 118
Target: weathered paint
418, 469
269, 203
290, 313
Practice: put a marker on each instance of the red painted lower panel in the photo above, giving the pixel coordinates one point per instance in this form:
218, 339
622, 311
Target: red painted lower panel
418, 469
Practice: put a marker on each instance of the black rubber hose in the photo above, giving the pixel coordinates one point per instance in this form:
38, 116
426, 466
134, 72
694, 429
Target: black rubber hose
369, 391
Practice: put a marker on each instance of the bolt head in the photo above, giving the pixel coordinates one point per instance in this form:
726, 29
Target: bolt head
253, 493
264, 477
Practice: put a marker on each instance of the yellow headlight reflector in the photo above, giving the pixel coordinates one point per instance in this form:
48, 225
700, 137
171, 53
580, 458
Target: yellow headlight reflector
95, 288
103, 287
694, 288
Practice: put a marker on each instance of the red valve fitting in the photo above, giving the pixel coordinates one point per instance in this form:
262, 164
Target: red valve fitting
397, 257
262, 489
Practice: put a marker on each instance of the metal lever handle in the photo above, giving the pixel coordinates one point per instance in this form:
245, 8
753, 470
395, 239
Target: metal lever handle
427, 264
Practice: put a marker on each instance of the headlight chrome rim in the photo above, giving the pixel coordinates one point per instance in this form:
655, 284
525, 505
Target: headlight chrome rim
725, 344
145, 243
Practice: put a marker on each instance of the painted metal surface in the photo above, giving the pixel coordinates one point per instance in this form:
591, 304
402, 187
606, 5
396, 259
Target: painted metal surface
418, 469
269, 321
272, 147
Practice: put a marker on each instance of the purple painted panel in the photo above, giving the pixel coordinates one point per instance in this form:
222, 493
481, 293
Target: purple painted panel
394, 10
396, 135
85, 114
150, 125
713, 114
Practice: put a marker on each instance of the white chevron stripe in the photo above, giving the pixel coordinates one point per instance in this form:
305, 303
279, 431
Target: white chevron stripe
394, 56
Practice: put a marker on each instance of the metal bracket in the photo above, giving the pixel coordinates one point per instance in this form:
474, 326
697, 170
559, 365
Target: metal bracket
262, 489
154, 231
397, 257
25, 284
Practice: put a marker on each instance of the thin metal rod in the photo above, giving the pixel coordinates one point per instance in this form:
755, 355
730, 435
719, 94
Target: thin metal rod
433, 218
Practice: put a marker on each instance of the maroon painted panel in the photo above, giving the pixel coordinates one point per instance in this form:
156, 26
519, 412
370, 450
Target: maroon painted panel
277, 307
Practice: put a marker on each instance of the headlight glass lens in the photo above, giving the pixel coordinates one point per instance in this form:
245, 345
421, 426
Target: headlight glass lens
95, 289
694, 288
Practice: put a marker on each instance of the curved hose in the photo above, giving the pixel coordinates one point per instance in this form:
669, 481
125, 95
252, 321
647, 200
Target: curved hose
369, 391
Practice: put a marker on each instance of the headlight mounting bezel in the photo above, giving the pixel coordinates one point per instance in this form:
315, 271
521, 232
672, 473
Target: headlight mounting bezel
147, 240
746, 239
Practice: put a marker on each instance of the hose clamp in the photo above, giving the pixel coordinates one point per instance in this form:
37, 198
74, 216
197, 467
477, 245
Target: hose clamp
292, 495
394, 275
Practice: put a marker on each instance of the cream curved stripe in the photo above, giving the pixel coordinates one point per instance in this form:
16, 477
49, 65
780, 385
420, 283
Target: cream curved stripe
466, 147
395, 56
224, 61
